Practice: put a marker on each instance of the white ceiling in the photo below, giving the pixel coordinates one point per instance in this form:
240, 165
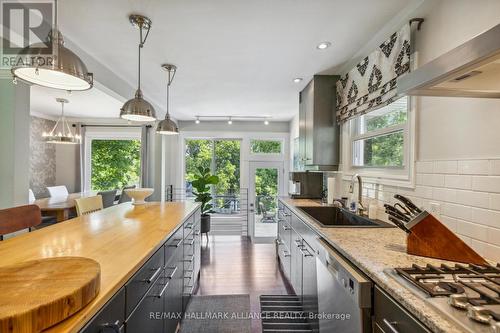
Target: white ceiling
82, 104
235, 57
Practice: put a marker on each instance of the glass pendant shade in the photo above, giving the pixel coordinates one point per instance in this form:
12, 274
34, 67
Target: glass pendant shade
61, 133
138, 109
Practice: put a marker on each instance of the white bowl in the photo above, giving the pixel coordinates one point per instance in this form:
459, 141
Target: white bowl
139, 194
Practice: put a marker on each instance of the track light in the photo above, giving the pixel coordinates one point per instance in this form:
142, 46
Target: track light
230, 121
197, 121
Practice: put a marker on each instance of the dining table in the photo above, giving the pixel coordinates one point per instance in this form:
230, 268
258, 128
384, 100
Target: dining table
63, 207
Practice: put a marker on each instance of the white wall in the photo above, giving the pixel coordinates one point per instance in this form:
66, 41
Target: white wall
455, 128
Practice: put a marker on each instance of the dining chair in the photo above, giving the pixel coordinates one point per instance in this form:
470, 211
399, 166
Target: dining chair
58, 191
46, 220
19, 218
108, 198
124, 197
85, 206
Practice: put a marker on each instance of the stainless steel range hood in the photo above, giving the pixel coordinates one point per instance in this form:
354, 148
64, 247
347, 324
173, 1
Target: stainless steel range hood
470, 70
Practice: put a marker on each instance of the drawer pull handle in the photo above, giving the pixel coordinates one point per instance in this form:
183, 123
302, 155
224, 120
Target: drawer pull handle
153, 277
179, 241
189, 242
171, 276
390, 325
189, 226
285, 227
286, 254
162, 291
107, 327
305, 252
190, 259
197, 232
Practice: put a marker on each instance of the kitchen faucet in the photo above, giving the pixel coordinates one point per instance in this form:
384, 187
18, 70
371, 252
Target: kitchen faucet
361, 209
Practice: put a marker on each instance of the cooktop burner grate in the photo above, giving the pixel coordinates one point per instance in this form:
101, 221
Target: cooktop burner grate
448, 280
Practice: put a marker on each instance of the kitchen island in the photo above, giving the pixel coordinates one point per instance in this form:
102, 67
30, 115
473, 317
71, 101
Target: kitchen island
122, 239
376, 251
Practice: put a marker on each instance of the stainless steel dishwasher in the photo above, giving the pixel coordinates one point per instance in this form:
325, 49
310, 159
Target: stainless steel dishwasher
344, 294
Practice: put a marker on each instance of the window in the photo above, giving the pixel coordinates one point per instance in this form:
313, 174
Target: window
266, 146
223, 158
380, 144
379, 137
114, 164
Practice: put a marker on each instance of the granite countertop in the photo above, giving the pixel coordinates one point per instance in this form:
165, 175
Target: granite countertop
374, 250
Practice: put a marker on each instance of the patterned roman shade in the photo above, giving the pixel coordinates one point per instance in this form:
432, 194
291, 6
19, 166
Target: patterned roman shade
371, 84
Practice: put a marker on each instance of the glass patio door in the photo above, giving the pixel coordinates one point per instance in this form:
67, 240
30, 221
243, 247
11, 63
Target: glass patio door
265, 185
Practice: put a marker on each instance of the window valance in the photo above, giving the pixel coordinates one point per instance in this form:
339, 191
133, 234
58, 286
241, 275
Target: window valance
371, 84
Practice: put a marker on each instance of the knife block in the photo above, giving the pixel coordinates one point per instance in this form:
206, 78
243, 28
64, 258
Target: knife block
430, 238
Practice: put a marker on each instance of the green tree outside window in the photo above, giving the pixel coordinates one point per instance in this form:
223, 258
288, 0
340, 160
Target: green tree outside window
115, 163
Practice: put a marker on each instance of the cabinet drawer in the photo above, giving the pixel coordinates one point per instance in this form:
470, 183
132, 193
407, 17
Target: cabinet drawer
188, 225
144, 279
110, 318
173, 244
149, 313
390, 317
284, 257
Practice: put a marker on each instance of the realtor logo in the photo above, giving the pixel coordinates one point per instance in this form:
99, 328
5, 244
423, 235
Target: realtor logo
25, 28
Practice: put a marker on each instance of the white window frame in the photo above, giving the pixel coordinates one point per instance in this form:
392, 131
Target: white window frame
104, 133
266, 155
394, 176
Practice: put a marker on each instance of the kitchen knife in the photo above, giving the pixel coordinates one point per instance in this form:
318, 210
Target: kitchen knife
408, 203
406, 211
399, 224
394, 212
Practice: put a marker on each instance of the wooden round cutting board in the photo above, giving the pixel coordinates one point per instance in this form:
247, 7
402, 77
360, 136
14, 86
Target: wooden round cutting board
37, 294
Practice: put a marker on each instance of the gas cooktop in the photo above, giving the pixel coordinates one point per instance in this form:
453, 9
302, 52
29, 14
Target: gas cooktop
469, 295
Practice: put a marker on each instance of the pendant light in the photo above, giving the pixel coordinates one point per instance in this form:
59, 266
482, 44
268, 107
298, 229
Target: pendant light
61, 132
137, 108
65, 71
167, 126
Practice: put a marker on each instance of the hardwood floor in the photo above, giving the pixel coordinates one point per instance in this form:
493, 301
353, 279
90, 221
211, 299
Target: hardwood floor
234, 265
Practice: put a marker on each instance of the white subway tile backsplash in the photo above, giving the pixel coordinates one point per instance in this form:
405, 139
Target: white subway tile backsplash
474, 167
486, 183
475, 199
493, 236
486, 217
450, 222
472, 230
458, 181
444, 194
457, 211
425, 167
430, 179
468, 192
495, 167
495, 201
450, 167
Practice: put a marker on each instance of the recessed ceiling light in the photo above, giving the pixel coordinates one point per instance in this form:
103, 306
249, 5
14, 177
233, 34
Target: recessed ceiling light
297, 79
323, 45
197, 121
266, 122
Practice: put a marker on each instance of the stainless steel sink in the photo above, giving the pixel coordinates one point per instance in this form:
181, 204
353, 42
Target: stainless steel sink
333, 217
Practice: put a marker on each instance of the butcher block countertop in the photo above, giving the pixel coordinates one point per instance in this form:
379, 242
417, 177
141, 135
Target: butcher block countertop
374, 251
120, 238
